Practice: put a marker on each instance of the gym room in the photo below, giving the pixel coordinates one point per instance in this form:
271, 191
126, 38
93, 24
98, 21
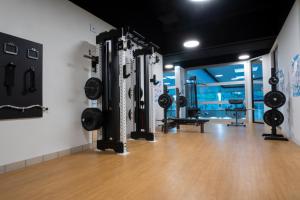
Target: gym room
150, 100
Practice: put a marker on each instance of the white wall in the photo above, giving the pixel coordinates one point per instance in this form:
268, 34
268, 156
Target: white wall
288, 43
158, 71
61, 27
180, 84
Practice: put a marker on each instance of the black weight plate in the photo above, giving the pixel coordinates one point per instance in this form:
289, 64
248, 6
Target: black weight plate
273, 80
273, 118
182, 101
275, 99
135, 92
130, 114
129, 93
165, 101
93, 88
92, 119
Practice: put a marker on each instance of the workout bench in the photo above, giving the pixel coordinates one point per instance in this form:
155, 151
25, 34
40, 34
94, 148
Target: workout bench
176, 122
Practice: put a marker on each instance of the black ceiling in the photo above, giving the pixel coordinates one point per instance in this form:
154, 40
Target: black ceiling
225, 28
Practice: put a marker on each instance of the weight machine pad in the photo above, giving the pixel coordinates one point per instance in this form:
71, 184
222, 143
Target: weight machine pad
188, 121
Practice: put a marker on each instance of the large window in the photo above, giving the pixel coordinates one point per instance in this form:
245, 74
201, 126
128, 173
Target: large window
216, 86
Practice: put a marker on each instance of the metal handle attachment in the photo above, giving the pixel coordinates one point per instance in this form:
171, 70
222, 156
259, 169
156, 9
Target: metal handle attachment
33, 54
11, 48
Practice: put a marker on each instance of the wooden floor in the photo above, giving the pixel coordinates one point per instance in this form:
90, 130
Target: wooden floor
225, 163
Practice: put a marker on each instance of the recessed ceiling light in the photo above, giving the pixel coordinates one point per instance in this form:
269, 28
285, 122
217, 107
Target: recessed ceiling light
239, 70
219, 75
199, 0
238, 78
169, 66
244, 57
191, 43
170, 77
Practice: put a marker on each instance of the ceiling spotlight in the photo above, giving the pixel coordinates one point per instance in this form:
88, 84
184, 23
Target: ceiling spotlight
191, 44
244, 57
169, 66
219, 75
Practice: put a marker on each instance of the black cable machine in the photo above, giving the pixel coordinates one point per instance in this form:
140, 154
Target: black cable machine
111, 130
192, 100
112, 119
142, 106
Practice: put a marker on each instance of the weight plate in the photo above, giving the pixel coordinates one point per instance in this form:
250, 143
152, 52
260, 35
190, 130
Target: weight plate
130, 115
92, 119
135, 92
129, 93
273, 118
275, 99
93, 88
182, 101
165, 101
273, 80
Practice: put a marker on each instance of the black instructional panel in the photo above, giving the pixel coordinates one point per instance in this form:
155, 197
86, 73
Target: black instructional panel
21, 77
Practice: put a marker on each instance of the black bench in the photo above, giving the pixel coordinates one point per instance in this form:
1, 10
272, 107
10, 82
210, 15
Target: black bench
176, 122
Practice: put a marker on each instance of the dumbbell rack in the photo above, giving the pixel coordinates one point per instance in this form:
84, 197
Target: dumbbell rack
274, 122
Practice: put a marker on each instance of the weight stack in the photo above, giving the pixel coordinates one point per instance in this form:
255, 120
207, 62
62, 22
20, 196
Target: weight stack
274, 118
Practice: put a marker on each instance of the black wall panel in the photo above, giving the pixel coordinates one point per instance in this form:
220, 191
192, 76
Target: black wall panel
24, 55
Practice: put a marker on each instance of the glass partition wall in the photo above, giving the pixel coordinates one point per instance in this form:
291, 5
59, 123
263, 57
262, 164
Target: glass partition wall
169, 81
257, 90
216, 86
219, 84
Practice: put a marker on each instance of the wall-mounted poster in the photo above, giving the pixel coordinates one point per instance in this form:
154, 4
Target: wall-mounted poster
295, 78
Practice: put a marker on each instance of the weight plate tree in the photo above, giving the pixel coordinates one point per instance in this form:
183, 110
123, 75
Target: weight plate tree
92, 119
93, 88
274, 118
